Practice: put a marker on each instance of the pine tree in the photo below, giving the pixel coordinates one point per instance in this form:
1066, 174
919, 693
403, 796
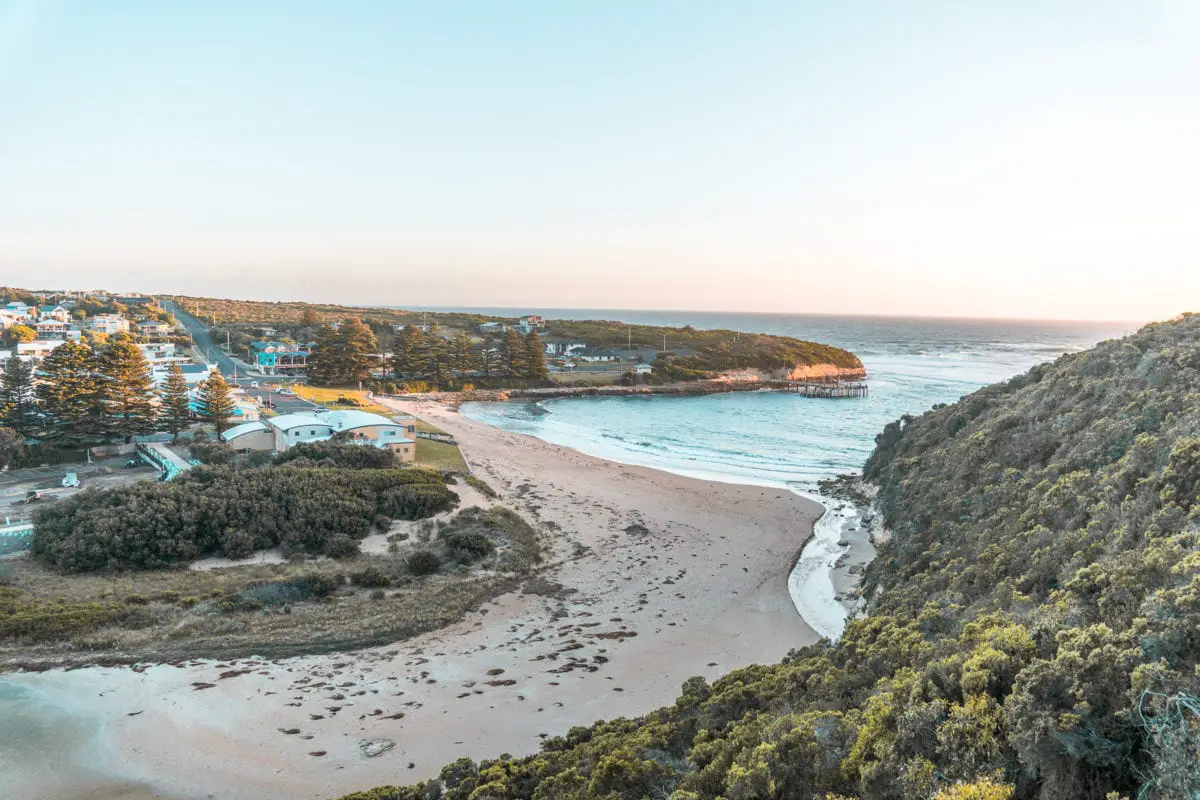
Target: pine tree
408, 353
535, 357
357, 347
130, 405
70, 392
323, 361
18, 403
215, 405
488, 358
461, 357
514, 353
437, 357
175, 400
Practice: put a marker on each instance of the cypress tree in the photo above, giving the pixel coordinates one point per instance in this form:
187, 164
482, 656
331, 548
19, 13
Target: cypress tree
70, 395
130, 405
18, 403
535, 357
215, 405
175, 401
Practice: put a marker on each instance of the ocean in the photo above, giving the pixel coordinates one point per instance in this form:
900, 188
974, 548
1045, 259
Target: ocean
784, 440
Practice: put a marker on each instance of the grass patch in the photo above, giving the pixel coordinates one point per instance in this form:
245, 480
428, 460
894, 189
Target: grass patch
328, 396
440, 455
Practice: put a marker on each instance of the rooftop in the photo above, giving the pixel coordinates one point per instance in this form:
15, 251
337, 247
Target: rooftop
242, 430
285, 422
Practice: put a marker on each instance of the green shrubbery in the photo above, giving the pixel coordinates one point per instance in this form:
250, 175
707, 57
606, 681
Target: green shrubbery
337, 454
1034, 629
232, 512
423, 562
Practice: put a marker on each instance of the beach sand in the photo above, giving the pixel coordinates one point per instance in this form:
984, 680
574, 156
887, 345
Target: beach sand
653, 578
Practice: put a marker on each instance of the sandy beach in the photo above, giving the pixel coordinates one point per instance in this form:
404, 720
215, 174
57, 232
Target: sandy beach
653, 578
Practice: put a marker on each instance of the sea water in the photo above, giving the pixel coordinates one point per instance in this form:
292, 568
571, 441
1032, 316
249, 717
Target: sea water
785, 440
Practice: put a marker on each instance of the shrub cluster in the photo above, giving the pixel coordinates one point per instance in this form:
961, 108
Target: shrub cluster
231, 512
335, 454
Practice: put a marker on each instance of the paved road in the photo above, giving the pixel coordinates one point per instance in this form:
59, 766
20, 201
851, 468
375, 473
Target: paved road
284, 404
203, 341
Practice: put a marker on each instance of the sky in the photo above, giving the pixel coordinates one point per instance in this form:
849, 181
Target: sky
992, 158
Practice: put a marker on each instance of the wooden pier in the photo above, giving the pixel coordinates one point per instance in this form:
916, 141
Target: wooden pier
830, 389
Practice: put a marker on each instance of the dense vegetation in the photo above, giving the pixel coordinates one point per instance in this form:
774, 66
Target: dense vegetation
707, 351
232, 512
454, 347
80, 395
1034, 625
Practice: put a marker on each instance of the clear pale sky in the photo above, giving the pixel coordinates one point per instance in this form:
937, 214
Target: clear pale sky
1028, 159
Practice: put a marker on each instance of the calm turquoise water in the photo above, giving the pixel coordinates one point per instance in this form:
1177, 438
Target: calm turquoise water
781, 439
784, 440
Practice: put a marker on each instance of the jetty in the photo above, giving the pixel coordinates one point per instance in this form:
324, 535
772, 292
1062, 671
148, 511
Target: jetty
826, 389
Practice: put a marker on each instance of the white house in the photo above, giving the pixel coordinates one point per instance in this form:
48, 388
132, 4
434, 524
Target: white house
358, 427
193, 374
153, 328
21, 310
108, 324
162, 354
51, 328
563, 347
57, 312
642, 369
595, 354
493, 327
35, 351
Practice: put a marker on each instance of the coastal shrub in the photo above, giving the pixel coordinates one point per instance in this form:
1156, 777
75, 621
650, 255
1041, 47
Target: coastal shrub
231, 512
1031, 629
416, 501
467, 546
370, 578
481, 486
423, 562
212, 453
24, 618
339, 455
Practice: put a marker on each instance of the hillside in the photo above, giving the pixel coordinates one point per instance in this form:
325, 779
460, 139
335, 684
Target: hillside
1034, 628
691, 353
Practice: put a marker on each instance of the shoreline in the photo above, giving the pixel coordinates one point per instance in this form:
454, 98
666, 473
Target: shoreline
653, 578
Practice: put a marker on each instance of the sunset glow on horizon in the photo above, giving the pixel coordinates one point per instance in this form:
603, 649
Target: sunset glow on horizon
1007, 160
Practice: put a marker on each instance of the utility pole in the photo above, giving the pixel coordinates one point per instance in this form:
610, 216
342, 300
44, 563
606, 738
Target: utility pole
628, 337
664, 343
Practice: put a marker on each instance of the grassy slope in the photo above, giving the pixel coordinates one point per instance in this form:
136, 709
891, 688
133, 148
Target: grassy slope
1035, 630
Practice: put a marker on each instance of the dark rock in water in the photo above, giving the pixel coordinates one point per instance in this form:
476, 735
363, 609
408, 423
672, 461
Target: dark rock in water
637, 530
372, 748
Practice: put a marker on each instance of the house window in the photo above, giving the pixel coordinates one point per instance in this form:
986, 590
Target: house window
412, 428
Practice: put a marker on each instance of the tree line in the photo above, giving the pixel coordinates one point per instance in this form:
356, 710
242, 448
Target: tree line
79, 395
350, 354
